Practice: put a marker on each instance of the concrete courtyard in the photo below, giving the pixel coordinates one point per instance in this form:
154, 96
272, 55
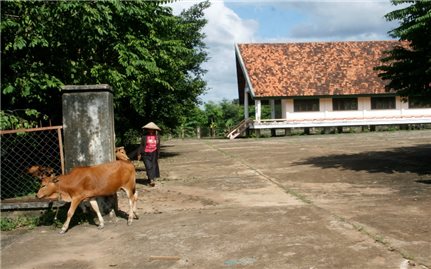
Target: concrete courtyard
317, 201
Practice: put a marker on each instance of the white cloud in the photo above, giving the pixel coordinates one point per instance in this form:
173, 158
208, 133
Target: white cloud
223, 30
316, 21
343, 20
225, 26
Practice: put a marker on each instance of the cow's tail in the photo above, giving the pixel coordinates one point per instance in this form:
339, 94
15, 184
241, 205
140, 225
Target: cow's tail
135, 197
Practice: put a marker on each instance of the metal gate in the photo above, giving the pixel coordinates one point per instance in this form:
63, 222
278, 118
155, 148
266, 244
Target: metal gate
21, 149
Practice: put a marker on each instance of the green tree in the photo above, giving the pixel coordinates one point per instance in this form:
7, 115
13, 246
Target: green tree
12, 120
191, 126
408, 68
150, 57
213, 114
232, 114
222, 116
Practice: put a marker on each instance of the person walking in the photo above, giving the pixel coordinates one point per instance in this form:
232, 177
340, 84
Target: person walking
149, 150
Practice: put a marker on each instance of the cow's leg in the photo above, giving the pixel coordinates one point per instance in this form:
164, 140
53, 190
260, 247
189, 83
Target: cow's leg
95, 206
114, 211
83, 205
135, 200
70, 212
130, 195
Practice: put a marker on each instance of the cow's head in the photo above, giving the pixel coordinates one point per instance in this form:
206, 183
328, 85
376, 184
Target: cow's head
48, 188
120, 154
40, 171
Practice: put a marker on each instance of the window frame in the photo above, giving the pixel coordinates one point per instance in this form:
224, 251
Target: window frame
306, 105
425, 102
378, 103
345, 104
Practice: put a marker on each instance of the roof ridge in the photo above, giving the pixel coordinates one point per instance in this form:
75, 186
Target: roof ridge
319, 42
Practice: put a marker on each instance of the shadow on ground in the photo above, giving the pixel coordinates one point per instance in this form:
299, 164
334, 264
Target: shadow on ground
405, 159
424, 181
132, 152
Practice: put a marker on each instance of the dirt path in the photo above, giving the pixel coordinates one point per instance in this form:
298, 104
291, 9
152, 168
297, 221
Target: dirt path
332, 201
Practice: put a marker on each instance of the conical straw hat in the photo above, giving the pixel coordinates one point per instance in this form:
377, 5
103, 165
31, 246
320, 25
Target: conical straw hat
151, 125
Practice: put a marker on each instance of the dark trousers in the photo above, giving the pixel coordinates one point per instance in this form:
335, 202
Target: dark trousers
151, 165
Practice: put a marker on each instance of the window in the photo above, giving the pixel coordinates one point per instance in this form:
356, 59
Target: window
383, 102
344, 104
304, 105
419, 102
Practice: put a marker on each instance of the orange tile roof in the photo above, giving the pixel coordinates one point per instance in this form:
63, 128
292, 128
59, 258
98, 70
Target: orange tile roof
311, 69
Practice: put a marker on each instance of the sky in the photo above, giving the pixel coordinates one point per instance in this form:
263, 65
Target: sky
282, 21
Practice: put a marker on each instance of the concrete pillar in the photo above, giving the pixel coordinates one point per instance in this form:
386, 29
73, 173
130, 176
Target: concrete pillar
257, 132
88, 125
258, 109
404, 127
272, 105
198, 132
246, 114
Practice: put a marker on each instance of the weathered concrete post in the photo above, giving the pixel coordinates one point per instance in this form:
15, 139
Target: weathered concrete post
88, 125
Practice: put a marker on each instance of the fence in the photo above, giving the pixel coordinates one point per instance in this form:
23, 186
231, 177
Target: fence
21, 149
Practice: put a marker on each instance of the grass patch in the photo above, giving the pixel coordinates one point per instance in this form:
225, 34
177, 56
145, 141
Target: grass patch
46, 219
12, 223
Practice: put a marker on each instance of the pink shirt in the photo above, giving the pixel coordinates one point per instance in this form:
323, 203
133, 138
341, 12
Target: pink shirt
151, 143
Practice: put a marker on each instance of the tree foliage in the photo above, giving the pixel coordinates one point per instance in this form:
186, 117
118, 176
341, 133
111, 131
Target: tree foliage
150, 57
408, 68
213, 119
12, 119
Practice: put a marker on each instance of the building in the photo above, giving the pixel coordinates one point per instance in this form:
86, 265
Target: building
320, 84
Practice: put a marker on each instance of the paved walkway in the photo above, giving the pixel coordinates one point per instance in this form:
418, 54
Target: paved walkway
330, 201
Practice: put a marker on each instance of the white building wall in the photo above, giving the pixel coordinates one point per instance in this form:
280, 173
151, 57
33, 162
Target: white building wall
364, 111
284, 107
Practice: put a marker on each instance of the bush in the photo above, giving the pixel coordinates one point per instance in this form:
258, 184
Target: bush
9, 224
46, 219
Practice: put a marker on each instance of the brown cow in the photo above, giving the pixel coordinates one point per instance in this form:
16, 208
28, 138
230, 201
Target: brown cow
87, 183
40, 171
120, 154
